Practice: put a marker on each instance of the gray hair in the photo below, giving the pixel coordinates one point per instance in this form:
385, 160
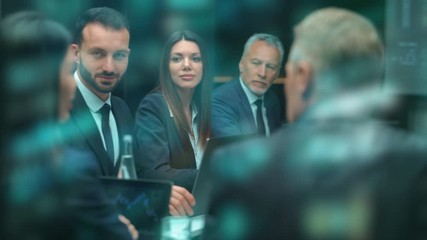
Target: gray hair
271, 40
343, 47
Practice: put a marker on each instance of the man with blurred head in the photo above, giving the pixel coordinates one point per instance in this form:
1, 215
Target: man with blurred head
244, 105
327, 62
336, 161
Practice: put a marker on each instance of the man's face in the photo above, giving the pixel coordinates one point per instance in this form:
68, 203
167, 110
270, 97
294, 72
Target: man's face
103, 58
260, 67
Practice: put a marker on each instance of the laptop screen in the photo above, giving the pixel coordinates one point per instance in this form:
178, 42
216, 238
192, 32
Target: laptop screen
143, 202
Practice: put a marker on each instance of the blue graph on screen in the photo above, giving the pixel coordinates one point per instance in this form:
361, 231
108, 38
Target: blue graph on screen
141, 201
143, 207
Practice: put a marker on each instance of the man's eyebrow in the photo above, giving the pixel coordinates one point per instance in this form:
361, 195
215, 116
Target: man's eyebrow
96, 49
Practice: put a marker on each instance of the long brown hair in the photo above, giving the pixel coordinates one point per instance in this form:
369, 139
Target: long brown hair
202, 93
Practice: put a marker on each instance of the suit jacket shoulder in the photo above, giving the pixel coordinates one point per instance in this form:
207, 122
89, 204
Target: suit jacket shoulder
381, 170
161, 150
81, 131
123, 116
232, 113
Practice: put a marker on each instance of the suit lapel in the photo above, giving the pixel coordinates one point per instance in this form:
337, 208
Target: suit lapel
271, 108
247, 110
121, 129
120, 120
85, 122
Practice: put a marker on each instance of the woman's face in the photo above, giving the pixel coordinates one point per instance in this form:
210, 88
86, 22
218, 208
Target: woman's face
185, 64
67, 86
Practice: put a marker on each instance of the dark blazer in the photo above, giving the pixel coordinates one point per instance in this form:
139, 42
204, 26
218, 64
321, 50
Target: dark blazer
232, 113
63, 199
162, 154
325, 166
91, 213
82, 133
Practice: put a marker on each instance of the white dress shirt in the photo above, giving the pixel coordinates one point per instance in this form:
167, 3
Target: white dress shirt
252, 98
95, 104
195, 144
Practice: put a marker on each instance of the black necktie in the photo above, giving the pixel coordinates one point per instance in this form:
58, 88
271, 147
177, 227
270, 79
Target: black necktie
259, 118
106, 131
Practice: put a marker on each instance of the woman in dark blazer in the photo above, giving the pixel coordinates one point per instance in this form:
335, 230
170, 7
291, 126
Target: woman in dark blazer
173, 121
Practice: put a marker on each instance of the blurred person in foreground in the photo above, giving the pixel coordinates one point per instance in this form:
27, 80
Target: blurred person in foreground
245, 105
50, 192
99, 120
337, 172
173, 120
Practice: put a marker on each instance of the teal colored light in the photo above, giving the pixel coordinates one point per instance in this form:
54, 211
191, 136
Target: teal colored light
40, 140
62, 10
143, 7
26, 183
252, 159
188, 4
234, 222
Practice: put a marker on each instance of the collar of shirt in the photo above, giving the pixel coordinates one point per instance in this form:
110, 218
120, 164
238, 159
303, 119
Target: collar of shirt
197, 149
92, 101
249, 94
252, 98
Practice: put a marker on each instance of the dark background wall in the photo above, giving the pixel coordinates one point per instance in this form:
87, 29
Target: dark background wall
224, 24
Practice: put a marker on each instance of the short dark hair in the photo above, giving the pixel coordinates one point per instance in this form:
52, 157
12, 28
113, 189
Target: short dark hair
105, 16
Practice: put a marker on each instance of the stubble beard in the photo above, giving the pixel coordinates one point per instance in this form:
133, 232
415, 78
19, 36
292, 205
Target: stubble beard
87, 77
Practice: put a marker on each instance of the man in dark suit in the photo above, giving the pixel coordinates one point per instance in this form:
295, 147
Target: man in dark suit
101, 50
81, 115
337, 172
244, 105
99, 120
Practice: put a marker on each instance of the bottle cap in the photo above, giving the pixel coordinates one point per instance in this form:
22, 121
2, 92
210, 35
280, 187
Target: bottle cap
127, 138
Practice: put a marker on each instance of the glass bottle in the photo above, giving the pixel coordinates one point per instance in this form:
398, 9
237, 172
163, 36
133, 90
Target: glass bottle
127, 164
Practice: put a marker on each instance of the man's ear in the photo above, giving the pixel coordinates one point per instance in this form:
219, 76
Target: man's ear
305, 81
241, 65
76, 53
